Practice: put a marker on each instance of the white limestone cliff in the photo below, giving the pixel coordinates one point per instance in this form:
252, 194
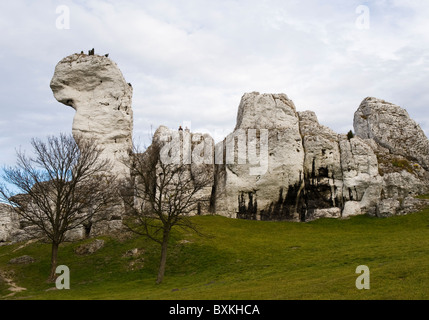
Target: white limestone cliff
248, 183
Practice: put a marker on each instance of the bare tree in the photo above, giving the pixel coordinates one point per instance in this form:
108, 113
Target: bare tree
160, 196
62, 187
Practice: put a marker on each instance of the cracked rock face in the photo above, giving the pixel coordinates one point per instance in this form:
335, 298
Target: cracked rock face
95, 87
187, 148
313, 172
322, 168
262, 184
9, 223
391, 127
361, 179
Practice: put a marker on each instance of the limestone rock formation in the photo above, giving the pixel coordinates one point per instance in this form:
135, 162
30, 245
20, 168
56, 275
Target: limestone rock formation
277, 164
94, 86
322, 169
13, 228
361, 179
187, 148
311, 171
260, 165
391, 127
9, 223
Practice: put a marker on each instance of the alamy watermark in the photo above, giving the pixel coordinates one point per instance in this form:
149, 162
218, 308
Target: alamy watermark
241, 147
363, 21
63, 280
362, 281
63, 20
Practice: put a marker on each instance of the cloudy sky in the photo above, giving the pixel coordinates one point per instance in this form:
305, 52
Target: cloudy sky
191, 61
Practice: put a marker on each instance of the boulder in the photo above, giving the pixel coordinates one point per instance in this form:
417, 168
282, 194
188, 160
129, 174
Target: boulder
90, 247
324, 213
351, 208
387, 207
9, 223
22, 260
310, 171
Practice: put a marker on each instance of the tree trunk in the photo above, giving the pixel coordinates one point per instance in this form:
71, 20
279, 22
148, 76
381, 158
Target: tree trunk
163, 261
54, 256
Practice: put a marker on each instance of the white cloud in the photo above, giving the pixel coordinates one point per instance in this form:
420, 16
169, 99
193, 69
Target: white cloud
193, 60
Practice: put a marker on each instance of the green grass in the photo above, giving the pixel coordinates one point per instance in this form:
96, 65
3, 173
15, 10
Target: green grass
241, 259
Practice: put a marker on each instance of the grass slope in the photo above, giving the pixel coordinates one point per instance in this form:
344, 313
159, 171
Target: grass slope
241, 259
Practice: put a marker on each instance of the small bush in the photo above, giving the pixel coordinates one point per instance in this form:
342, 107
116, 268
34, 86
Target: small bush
403, 164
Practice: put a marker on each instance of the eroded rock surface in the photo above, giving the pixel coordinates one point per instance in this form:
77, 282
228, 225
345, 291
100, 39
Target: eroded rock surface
261, 172
193, 150
391, 127
313, 172
94, 86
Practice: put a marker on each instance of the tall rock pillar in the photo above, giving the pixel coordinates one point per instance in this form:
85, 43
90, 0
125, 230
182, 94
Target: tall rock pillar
94, 86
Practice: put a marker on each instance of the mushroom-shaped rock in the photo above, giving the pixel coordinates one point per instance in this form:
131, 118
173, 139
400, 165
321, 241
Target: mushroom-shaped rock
94, 86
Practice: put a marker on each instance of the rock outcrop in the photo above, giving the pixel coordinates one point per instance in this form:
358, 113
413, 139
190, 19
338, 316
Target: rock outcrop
90, 247
260, 173
9, 223
280, 164
277, 164
323, 189
94, 86
194, 150
312, 172
391, 127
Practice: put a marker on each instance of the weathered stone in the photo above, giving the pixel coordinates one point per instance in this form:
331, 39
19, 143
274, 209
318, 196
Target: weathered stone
277, 164
106, 227
387, 207
90, 248
134, 253
312, 172
22, 260
411, 204
324, 213
351, 208
9, 223
402, 184
95, 87
361, 179
322, 167
263, 184
75, 234
188, 148
390, 126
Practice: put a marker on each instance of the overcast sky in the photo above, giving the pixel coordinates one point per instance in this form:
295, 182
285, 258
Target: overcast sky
191, 61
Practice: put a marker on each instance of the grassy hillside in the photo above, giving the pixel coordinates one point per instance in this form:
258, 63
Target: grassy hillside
241, 259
